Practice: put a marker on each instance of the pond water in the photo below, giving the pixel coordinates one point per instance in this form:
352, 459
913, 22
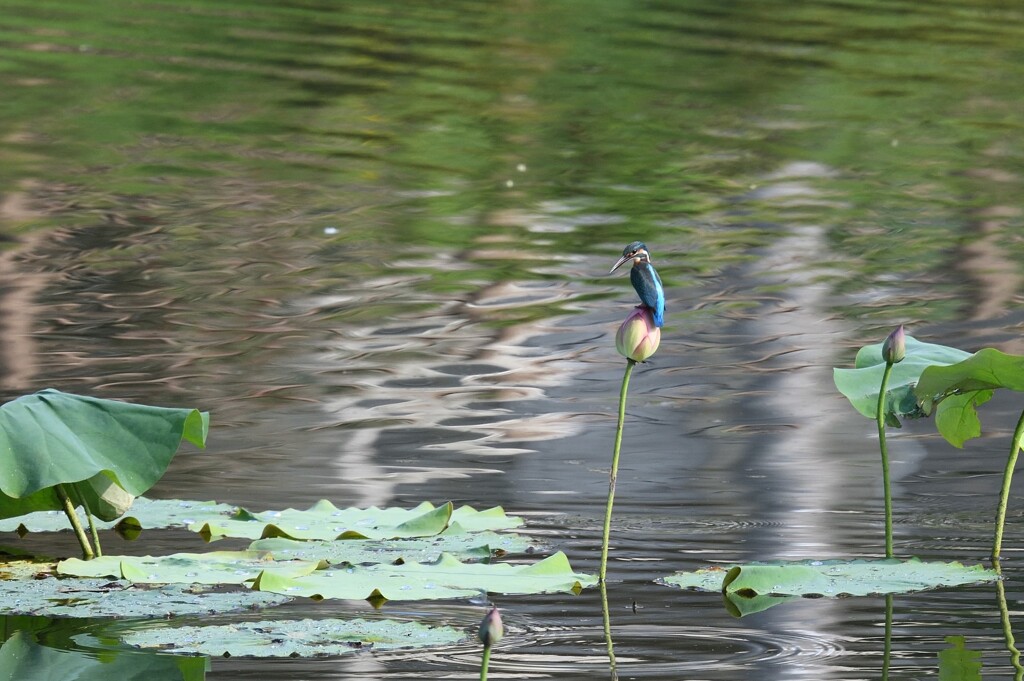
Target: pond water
372, 239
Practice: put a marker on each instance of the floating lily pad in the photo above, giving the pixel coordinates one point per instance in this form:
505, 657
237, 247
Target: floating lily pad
23, 659
448, 578
150, 514
833, 578
91, 598
293, 638
860, 384
214, 567
325, 521
469, 546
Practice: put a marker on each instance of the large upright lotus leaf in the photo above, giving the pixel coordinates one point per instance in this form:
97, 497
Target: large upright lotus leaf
448, 578
215, 567
95, 598
23, 659
955, 390
860, 385
832, 578
293, 638
466, 546
150, 513
52, 438
324, 521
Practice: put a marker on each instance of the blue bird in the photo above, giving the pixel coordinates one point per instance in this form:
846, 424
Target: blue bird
644, 278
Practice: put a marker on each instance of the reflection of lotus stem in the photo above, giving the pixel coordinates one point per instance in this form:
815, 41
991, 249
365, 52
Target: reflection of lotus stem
1004, 616
1004, 495
887, 646
613, 474
880, 417
69, 511
483, 663
608, 631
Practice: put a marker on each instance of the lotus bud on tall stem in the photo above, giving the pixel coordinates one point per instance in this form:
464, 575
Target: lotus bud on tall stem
637, 339
894, 349
491, 631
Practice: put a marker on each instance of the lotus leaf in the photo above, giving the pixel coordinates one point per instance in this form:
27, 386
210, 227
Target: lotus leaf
90, 598
447, 578
954, 391
325, 521
832, 578
52, 438
293, 638
215, 567
150, 513
471, 546
860, 384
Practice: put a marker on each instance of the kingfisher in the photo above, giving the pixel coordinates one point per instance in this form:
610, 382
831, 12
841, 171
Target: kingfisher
644, 278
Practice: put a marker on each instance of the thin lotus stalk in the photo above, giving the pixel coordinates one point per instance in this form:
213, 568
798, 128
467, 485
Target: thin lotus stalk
880, 418
1004, 495
92, 525
69, 511
484, 661
614, 473
608, 632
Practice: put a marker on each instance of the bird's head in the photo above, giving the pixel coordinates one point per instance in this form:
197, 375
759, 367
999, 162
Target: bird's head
636, 251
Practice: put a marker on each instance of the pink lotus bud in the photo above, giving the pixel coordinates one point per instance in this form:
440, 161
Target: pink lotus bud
894, 349
491, 630
638, 338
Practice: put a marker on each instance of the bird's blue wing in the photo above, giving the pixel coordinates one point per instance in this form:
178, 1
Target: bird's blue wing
647, 283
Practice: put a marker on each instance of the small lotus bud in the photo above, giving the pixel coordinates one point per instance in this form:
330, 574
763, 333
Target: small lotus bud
638, 338
491, 630
894, 349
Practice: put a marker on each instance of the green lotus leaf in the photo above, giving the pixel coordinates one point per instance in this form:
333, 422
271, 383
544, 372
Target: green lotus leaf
103, 598
447, 578
150, 514
860, 384
215, 567
833, 578
954, 391
324, 521
23, 659
51, 438
467, 546
293, 638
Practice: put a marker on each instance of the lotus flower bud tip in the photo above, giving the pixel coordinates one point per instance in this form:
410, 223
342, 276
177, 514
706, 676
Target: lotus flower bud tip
491, 629
894, 349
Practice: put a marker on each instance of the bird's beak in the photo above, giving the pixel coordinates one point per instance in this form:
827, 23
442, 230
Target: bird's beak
619, 263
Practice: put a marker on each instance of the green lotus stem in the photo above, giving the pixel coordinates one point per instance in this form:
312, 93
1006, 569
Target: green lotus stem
484, 661
1004, 495
69, 511
614, 473
880, 418
608, 631
92, 525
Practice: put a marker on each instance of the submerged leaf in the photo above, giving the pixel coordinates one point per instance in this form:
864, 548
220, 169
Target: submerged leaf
832, 578
293, 638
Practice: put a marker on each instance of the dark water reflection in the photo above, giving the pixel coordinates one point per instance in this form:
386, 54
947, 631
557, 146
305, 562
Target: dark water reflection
372, 240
